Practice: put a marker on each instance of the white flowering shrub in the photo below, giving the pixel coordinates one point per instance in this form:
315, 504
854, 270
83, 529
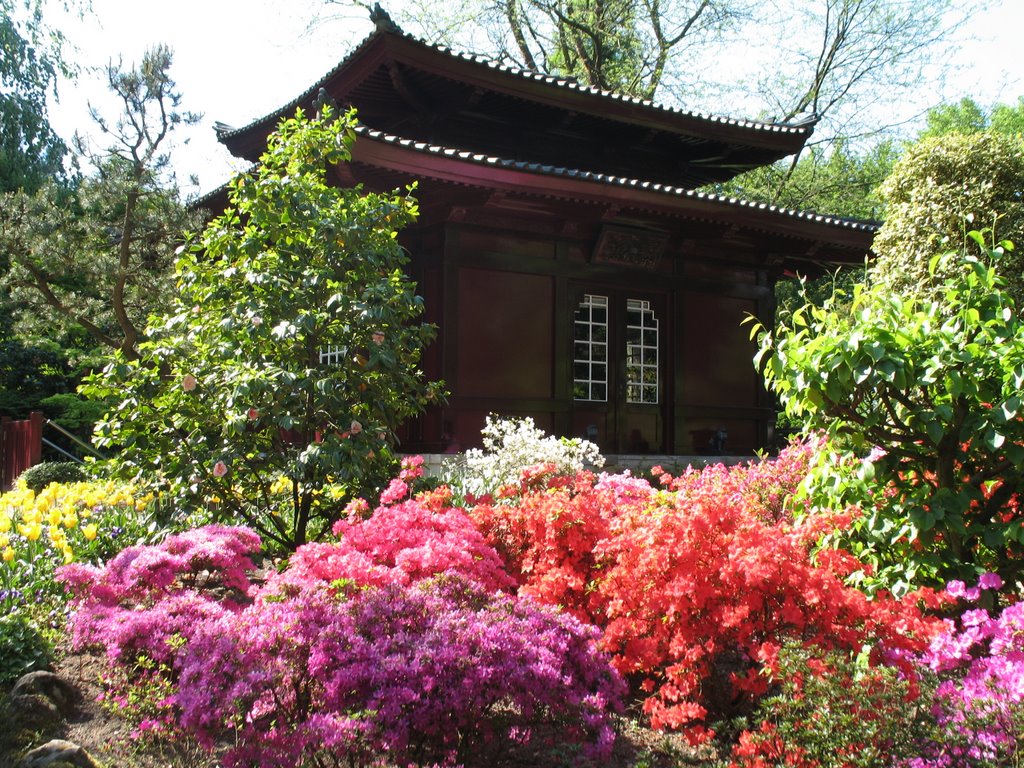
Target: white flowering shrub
510, 446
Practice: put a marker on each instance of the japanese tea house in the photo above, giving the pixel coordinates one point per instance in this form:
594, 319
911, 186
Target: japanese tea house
574, 273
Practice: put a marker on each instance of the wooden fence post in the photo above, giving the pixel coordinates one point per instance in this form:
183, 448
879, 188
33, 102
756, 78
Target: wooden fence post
21, 446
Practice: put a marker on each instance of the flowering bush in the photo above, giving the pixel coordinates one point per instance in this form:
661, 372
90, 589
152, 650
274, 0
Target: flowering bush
835, 711
433, 673
549, 536
419, 669
400, 544
145, 600
980, 699
512, 445
404, 541
697, 585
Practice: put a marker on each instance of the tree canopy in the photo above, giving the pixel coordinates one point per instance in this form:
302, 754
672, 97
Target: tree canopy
97, 255
941, 187
31, 58
289, 357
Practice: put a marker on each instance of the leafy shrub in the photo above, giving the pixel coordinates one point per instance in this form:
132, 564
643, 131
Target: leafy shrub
292, 671
939, 184
41, 475
23, 647
292, 350
834, 710
921, 402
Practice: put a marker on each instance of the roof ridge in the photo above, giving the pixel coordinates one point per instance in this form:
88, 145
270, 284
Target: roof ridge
804, 127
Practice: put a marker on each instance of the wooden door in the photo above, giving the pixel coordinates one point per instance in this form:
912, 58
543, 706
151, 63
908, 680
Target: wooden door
619, 382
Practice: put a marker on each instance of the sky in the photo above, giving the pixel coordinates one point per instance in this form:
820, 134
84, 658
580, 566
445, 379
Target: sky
237, 60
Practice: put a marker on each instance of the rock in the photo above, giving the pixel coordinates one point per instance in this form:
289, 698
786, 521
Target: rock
57, 754
53, 687
33, 712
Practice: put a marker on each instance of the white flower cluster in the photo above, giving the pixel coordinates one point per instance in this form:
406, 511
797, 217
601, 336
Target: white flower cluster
510, 446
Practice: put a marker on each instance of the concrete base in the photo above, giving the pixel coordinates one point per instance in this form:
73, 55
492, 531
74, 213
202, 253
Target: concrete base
637, 464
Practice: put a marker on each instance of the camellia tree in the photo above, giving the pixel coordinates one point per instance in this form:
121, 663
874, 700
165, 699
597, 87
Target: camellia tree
922, 400
290, 357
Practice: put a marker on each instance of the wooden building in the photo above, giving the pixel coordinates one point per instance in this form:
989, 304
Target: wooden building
573, 271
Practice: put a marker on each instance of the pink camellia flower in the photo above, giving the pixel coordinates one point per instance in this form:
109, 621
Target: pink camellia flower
220, 469
990, 581
355, 428
253, 414
188, 383
378, 337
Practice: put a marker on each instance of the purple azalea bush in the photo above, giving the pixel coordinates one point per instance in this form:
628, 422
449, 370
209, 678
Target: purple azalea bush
440, 671
979, 701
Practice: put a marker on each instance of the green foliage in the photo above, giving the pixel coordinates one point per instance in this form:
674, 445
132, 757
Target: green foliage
837, 180
41, 475
233, 394
967, 117
23, 648
922, 402
599, 43
98, 256
73, 412
937, 184
835, 710
28, 375
30, 61
963, 117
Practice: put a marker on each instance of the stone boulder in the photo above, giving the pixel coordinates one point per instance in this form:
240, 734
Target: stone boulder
51, 687
57, 754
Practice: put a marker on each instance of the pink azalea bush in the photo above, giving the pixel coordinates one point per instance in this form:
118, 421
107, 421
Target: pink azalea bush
392, 641
979, 701
437, 672
147, 596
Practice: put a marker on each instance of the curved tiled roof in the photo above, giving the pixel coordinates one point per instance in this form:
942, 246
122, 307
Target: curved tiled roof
616, 181
802, 128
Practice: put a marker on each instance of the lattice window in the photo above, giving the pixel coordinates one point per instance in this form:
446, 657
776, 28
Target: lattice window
590, 350
642, 385
331, 356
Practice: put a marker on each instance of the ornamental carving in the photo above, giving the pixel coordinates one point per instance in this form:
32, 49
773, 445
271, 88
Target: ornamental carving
637, 248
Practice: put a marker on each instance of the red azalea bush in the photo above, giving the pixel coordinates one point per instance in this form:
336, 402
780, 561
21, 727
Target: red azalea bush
548, 535
695, 586
835, 710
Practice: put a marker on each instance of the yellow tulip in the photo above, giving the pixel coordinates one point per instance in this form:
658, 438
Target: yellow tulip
31, 531
89, 531
8, 555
